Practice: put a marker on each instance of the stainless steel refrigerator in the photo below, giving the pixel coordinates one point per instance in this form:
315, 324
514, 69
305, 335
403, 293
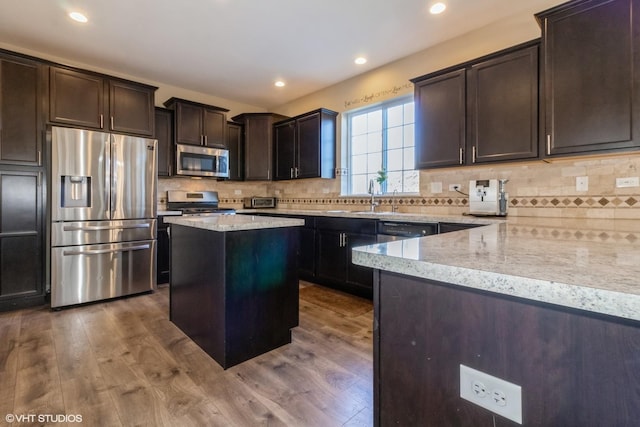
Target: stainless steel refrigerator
103, 215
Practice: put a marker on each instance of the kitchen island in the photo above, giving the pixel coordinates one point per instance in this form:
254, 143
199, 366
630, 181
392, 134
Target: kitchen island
551, 305
234, 283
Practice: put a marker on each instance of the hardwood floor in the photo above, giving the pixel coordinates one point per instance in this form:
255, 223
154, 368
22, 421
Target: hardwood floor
124, 363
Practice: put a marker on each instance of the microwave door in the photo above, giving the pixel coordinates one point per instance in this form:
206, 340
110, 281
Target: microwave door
79, 175
133, 177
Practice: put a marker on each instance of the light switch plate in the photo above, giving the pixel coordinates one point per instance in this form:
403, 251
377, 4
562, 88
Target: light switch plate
582, 183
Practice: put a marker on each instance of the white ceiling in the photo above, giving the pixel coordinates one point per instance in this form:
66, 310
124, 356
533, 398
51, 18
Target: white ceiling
236, 49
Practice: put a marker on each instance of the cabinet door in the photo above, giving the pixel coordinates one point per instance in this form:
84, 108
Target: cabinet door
188, 124
308, 146
591, 92
20, 120
164, 135
284, 141
258, 146
163, 265
76, 99
332, 260
214, 127
357, 275
502, 109
307, 258
131, 108
236, 151
440, 120
21, 238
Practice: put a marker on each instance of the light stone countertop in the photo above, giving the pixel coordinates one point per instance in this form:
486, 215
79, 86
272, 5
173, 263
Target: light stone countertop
591, 265
387, 216
233, 222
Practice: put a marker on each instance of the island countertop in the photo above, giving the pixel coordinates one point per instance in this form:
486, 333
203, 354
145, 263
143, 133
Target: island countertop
233, 222
591, 265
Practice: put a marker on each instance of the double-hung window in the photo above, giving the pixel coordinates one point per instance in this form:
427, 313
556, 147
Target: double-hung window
381, 139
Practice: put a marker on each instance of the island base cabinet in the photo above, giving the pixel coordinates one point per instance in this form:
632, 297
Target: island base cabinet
575, 368
235, 294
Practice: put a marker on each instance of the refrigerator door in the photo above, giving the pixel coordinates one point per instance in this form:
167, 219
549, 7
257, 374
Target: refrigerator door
93, 232
87, 273
133, 177
80, 161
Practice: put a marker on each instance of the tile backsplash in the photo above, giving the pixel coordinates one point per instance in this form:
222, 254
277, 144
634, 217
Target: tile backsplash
535, 189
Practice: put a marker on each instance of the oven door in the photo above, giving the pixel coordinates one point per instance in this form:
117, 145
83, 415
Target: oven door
87, 273
202, 161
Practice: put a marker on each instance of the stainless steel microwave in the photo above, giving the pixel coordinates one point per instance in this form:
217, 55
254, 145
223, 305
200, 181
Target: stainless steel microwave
193, 160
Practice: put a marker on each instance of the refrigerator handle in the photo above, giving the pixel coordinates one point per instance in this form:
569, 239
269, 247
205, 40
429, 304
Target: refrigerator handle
106, 251
111, 179
106, 227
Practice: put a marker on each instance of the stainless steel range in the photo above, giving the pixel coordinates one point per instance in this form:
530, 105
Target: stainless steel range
103, 209
196, 203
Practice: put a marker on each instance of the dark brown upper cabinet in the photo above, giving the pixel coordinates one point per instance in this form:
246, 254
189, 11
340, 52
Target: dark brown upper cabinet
482, 111
87, 100
199, 124
21, 123
305, 146
590, 73
236, 151
164, 135
258, 144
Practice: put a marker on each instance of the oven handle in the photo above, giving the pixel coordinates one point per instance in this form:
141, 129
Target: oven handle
106, 251
103, 227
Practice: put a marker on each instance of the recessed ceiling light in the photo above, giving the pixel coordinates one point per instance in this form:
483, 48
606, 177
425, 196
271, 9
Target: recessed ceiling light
279, 83
360, 60
437, 8
78, 17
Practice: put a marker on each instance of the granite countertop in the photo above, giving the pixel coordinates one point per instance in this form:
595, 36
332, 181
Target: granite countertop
233, 222
387, 216
591, 265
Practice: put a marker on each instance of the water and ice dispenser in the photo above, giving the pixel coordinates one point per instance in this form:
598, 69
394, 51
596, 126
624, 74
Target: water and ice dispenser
75, 191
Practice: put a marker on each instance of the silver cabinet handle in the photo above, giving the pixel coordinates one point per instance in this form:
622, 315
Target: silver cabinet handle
39, 158
473, 154
460, 159
112, 123
206, 139
105, 227
101, 121
291, 173
548, 144
106, 251
297, 172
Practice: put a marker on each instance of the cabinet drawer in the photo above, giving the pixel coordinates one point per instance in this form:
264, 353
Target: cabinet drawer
348, 225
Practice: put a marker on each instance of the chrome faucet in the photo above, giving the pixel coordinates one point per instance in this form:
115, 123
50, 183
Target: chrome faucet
394, 206
373, 198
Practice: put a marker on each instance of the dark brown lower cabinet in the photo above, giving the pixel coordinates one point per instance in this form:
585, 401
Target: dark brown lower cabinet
335, 239
21, 239
163, 264
575, 368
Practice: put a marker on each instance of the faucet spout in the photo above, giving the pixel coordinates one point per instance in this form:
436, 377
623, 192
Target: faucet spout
373, 197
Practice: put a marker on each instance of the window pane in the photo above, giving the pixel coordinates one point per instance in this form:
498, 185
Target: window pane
409, 136
394, 160
359, 164
374, 142
359, 184
409, 112
411, 182
409, 158
374, 162
374, 121
359, 145
359, 124
394, 116
394, 138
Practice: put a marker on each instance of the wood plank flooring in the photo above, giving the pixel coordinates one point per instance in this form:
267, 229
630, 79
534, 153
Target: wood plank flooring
123, 363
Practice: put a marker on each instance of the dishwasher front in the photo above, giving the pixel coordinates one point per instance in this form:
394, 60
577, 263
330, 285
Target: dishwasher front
388, 231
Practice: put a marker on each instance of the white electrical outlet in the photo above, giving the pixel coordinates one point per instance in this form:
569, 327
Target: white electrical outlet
454, 187
582, 183
628, 182
492, 393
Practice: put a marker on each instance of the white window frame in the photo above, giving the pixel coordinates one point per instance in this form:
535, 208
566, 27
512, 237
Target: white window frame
347, 189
